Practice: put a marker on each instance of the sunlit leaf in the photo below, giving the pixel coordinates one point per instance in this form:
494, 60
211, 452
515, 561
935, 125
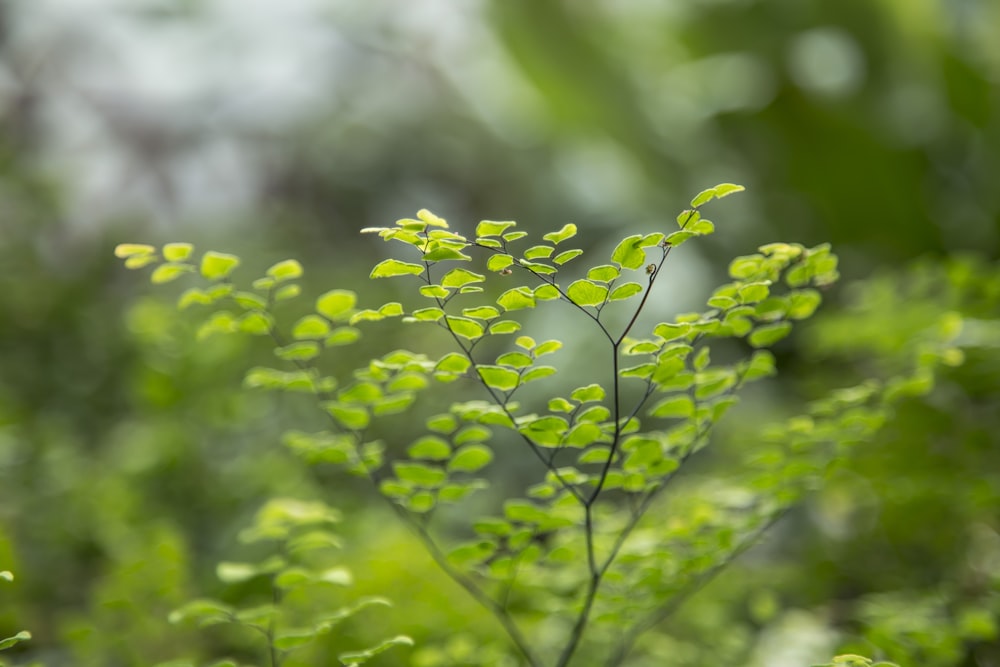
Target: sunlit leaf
471, 458
629, 253
718, 192
625, 291
517, 298
538, 252
490, 228
769, 334
499, 262
587, 293
165, 273
419, 474
177, 252
217, 265
568, 231
390, 268
498, 377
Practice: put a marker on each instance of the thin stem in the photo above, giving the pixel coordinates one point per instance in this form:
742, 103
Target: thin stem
499, 611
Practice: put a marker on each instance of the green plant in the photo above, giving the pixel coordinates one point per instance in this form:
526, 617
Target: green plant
23, 635
610, 540
300, 566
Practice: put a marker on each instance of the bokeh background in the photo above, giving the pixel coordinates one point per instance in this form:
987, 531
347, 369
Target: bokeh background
128, 463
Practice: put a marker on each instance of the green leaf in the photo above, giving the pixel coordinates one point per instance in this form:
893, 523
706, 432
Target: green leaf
286, 270
537, 267
604, 273
546, 292
464, 327
498, 377
164, 273
310, 327
517, 298
722, 302
249, 301
21, 636
625, 291
803, 303
679, 237
769, 334
505, 327
193, 295
597, 454
523, 511
455, 492
746, 267
566, 256
672, 407
482, 312
514, 236
499, 262
444, 252
560, 405
342, 336
390, 268
461, 277
629, 253
592, 392
754, 292
771, 308
761, 364
427, 314
287, 640
470, 458
453, 362
255, 323
434, 292
642, 371
654, 239
587, 293
713, 382
594, 414
139, 261
361, 657
350, 416
548, 347
202, 611
286, 292
474, 433
217, 265
538, 252
125, 250
702, 228
718, 192
643, 347
302, 351
490, 228
431, 219
419, 474
429, 447
568, 231
234, 573
537, 373
584, 434
514, 359
668, 331
177, 252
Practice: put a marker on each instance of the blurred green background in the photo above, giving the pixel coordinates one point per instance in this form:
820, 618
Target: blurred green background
128, 463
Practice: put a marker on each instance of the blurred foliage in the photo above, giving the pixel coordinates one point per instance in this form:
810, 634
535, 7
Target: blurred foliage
128, 464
